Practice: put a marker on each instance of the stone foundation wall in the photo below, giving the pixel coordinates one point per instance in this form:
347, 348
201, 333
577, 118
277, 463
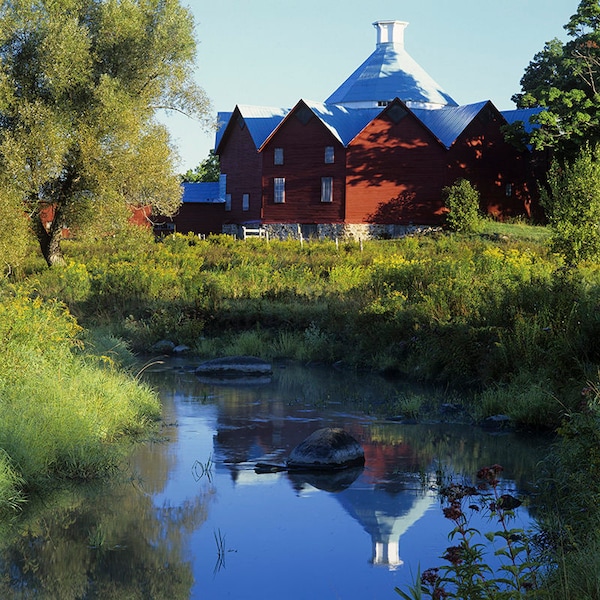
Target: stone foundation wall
332, 231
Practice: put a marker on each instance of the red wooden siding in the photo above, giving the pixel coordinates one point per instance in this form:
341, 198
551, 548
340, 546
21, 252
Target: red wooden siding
482, 156
196, 217
395, 173
242, 163
140, 215
303, 145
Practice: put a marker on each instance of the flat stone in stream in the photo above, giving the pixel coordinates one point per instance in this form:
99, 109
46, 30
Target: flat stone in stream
234, 366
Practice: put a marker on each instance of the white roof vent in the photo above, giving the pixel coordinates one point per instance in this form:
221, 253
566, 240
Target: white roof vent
390, 32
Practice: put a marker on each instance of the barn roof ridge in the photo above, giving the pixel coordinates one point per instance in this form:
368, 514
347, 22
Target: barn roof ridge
260, 120
346, 122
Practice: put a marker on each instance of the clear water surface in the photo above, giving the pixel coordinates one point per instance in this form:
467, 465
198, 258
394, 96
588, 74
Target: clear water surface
191, 518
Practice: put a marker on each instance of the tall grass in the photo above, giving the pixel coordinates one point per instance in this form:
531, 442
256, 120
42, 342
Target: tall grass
62, 411
495, 311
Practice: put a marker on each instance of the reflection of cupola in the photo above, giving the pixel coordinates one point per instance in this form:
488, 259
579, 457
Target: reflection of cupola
390, 72
385, 517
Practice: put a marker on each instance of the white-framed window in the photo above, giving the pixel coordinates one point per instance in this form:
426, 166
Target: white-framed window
278, 156
326, 189
509, 190
227, 202
245, 201
329, 155
279, 190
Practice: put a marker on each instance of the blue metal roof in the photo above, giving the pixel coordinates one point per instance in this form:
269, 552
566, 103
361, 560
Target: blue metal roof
445, 123
448, 123
202, 193
222, 121
345, 123
260, 120
522, 114
390, 72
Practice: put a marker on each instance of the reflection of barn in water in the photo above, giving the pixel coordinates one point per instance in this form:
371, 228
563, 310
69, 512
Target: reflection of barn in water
386, 515
386, 498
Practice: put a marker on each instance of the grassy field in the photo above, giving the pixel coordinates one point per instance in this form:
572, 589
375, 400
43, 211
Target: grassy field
493, 313
65, 409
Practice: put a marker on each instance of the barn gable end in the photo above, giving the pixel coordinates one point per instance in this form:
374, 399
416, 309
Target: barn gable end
304, 153
394, 171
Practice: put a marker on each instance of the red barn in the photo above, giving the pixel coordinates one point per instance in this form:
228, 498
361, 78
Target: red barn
372, 159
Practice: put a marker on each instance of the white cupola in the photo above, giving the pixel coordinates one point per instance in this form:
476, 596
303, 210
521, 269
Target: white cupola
388, 73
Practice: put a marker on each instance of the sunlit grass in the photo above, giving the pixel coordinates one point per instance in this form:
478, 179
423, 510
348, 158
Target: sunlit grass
62, 411
517, 230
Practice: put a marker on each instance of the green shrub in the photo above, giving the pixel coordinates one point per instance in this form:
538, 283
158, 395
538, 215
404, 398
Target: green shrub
527, 399
462, 201
572, 204
16, 239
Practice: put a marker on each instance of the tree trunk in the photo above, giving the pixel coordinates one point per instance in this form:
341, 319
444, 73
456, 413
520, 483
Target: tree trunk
49, 238
53, 254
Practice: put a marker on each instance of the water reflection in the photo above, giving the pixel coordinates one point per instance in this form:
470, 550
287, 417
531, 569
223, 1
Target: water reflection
109, 543
159, 532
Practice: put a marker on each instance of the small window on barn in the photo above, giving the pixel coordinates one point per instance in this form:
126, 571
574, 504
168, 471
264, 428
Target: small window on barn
279, 190
228, 202
245, 201
509, 190
278, 156
326, 189
329, 155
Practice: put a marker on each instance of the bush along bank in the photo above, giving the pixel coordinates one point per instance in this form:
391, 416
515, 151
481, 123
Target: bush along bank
64, 413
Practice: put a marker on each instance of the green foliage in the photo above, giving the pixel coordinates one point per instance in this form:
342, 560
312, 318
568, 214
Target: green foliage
61, 410
80, 84
468, 576
572, 204
208, 170
564, 80
569, 499
11, 485
526, 399
15, 238
462, 201
494, 313
570, 487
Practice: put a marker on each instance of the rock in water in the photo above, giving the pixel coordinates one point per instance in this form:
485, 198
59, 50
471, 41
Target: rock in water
234, 366
327, 448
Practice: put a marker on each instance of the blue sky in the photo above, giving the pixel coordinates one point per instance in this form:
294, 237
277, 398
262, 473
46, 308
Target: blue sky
274, 52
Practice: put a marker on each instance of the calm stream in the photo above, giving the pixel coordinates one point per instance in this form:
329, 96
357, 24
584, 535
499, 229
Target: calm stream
190, 518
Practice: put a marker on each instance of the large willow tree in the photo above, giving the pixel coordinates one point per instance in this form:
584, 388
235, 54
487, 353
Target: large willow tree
81, 82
